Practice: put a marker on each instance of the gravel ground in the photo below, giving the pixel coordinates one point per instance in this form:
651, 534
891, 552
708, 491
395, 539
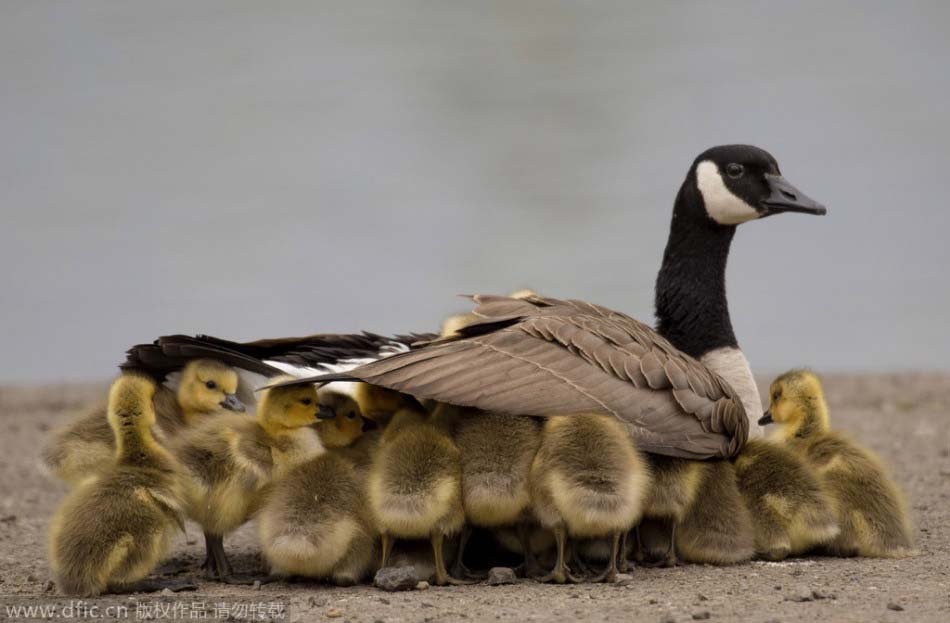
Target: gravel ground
903, 417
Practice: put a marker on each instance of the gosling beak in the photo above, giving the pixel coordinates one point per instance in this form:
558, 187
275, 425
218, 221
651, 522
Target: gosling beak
786, 198
326, 413
231, 403
766, 418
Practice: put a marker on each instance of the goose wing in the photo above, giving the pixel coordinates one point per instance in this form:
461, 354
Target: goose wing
543, 356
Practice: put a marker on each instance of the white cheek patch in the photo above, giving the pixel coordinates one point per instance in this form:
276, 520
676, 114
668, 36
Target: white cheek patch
723, 207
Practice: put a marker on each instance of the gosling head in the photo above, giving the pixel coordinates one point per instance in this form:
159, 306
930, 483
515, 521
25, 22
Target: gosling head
340, 422
739, 183
287, 407
130, 407
797, 405
208, 386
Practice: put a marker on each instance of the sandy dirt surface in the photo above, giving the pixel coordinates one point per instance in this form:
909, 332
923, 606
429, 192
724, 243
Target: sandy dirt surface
905, 418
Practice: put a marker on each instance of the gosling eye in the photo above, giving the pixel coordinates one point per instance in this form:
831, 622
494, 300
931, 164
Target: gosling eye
776, 395
735, 170
350, 415
211, 385
306, 402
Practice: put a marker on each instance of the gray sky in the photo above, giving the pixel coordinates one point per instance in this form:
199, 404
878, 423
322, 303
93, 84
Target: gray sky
252, 169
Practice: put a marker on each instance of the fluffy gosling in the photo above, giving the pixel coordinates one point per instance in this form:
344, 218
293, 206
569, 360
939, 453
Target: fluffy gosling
414, 484
229, 460
587, 481
870, 509
791, 511
113, 529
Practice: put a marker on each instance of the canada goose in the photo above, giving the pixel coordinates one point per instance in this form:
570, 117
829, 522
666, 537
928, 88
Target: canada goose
496, 455
229, 460
315, 521
870, 509
685, 390
414, 484
87, 444
587, 481
791, 511
114, 528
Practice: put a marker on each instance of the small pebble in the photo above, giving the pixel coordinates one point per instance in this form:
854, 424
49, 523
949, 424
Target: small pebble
256, 586
425, 604
668, 618
49, 587
817, 596
501, 575
383, 600
7, 518
334, 613
653, 601
422, 585
32, 578
167, 591
702, 597
895, 607
701, 616
623, 579
396, 578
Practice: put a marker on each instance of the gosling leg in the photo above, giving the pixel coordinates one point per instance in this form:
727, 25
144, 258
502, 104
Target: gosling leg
459, 569
610, 573
654, 536
387, 548
532, 568
442, 576
623, 564
561, 573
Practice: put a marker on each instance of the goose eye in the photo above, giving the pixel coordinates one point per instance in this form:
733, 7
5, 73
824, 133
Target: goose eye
211, 385
306, 402
734, 170
351, 415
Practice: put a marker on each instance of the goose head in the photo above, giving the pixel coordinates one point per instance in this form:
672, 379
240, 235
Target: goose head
739, 183
130, 404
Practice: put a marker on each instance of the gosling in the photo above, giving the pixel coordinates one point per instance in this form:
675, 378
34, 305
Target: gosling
114, 528
587, 481
315, 522
414, 484
87, 445
230, 460
496, 455
870, 509
791, 511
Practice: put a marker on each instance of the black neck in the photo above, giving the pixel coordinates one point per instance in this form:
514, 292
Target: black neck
691, 307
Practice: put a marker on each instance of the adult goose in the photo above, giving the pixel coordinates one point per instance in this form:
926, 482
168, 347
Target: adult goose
685, 391
260, 360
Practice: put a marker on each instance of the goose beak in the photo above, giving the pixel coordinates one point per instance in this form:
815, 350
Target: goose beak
784, 197
766, 418
326, 413
231, 403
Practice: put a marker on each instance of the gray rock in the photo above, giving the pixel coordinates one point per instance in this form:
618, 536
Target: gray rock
501, 575
396, 578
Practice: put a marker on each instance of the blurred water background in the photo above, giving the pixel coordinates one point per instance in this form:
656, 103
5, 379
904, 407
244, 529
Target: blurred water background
251, 169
